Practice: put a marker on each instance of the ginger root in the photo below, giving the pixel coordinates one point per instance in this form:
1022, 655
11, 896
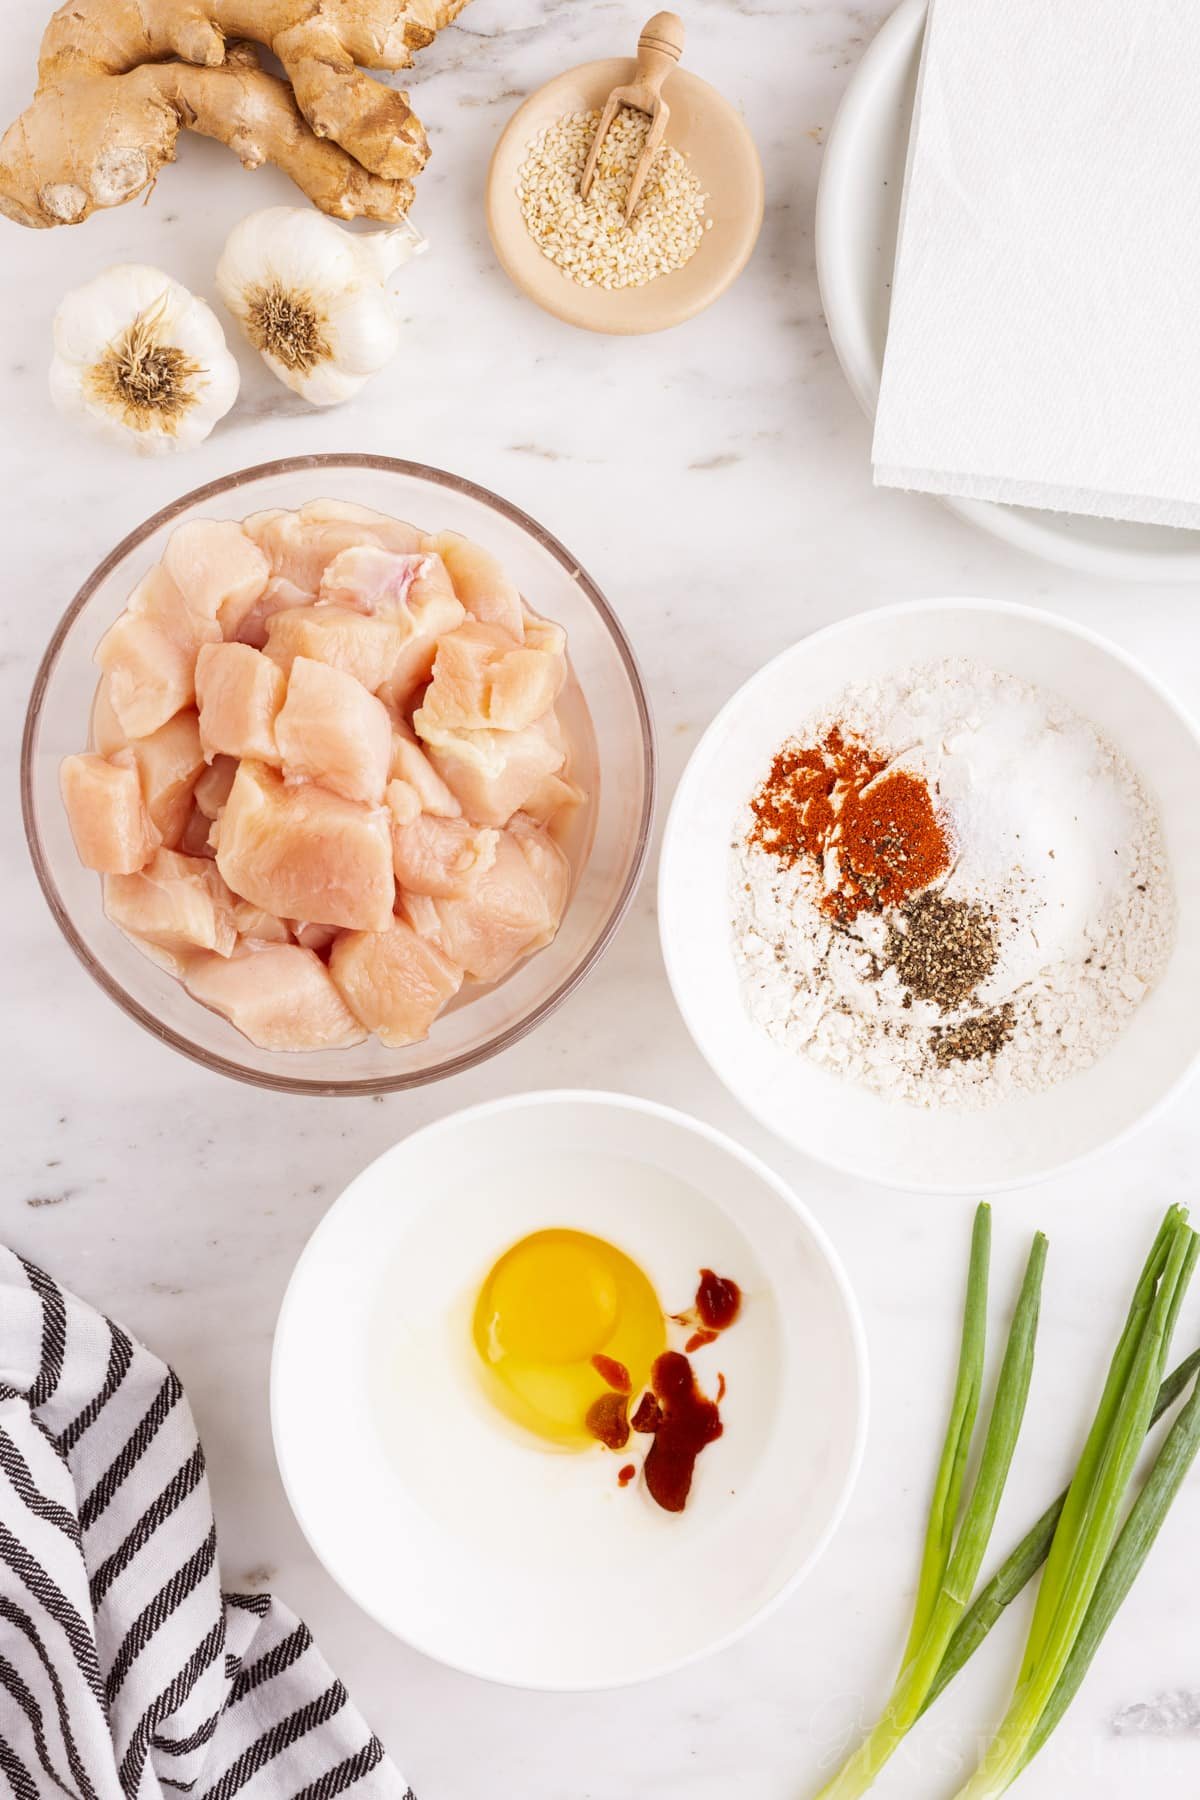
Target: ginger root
119, 79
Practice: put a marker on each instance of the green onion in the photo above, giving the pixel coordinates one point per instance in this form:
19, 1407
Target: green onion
949, 1570
1129, 1553
1088, 1524
947, 1492
1023, 1563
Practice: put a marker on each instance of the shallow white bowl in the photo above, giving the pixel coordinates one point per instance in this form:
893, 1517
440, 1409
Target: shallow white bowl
1017, 1140
476, 1545
858, 211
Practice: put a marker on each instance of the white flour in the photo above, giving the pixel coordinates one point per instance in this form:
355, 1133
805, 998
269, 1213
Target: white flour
1051, 831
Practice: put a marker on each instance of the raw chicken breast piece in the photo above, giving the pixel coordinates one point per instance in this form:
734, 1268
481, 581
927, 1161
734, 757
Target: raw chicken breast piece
177, 902
278, 995
149, 655
332, 731
213, 785
546, 863
492, 773
263, 927
217, 569
419, 911
394, 981
512, 909
552, 795
379, 528
106, 733
239, 692
484, 681
113, 831
441, 857
411, 765
413, 591
278, 596
479, 582
302, 852
360, 646
299, 546
168, 763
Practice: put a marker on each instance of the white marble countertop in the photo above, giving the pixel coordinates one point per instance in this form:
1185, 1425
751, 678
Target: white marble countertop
729, 516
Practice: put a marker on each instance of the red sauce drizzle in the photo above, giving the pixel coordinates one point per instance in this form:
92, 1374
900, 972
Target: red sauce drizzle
686, 1421
607, 1419
699, 1339
626, 1475
718, 1301
613, 1372
720, 1387
648, 1414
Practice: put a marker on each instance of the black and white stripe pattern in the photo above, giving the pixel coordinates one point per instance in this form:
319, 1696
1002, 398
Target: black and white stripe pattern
125, 1673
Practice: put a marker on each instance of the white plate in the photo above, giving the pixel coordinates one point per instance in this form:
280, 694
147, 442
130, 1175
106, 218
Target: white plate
480, 1547
858, 206
1016, 1140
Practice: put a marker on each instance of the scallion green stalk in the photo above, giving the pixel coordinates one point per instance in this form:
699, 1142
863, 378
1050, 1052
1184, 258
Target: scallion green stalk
1023, 1562
1088, 1525
956, 1567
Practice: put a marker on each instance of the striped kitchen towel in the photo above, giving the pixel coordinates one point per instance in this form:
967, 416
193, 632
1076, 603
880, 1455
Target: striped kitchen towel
125, 1672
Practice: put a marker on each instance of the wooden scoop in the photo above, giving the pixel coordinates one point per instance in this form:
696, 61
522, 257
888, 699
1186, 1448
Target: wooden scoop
659, 49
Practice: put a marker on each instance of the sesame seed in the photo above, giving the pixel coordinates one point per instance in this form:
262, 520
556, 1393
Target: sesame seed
589, 240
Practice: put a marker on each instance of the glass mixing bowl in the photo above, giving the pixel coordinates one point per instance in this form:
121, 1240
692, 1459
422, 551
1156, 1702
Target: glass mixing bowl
605, 709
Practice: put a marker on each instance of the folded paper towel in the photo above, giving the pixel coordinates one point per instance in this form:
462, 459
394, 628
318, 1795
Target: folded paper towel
125, 1673
1044, 341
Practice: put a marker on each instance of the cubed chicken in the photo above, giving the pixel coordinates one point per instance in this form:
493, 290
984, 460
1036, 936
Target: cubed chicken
331, 730
554, 794
413, 591
213, 785
217, 569
492, 773
546, 863
169, 762
479, 582
106, 733
441, 857
113, 831
302, 852
280, 996
513, 908
360, 646
299, 546
239, 692
278, 596
394, 981
484, 681
178, 902
263, 927
411, 765
149, 655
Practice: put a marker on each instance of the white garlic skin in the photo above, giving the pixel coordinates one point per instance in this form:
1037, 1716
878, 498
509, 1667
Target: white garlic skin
338, 275
92, 318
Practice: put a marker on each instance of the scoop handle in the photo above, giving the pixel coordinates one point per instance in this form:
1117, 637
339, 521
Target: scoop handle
659, 49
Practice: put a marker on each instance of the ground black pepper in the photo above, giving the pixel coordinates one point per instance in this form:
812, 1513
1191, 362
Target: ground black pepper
941, 949
982, 1034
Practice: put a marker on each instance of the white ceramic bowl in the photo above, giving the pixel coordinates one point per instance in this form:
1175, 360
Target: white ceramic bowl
483, 1549
1017, 1140
858, 211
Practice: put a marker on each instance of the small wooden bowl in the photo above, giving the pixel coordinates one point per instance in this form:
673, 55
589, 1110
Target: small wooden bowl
706, 129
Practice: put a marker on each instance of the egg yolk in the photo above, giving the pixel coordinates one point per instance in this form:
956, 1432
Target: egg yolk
554, 1302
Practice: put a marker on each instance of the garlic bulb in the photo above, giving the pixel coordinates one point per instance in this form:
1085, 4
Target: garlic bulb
141, 361
311, 297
